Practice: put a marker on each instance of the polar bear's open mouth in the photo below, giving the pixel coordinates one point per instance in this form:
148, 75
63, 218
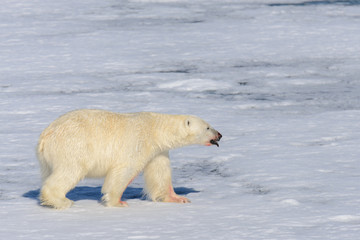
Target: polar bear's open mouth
214, 142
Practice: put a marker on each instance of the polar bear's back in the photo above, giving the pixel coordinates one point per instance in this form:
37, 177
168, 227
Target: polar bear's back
84, 138
79, 124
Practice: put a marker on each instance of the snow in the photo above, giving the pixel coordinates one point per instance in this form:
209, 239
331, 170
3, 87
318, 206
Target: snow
278, 79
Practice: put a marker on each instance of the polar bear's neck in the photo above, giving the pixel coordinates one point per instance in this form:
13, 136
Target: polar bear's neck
168, 131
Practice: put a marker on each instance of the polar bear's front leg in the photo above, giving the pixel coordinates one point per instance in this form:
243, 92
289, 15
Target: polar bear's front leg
116, 181
158, 185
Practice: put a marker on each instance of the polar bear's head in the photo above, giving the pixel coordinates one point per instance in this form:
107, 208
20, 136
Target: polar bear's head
200, 132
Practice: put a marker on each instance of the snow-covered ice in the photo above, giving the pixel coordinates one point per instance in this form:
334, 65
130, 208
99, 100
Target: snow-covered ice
279, 79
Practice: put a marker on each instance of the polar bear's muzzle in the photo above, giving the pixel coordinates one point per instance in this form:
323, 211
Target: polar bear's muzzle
215, 140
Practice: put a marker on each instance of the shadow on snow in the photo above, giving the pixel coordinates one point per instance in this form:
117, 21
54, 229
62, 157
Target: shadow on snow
94, 193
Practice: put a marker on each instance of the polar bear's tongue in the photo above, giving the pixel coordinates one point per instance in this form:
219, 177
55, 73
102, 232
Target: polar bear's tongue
214, 142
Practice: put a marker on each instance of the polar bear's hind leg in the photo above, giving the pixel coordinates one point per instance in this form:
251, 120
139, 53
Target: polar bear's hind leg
56, 186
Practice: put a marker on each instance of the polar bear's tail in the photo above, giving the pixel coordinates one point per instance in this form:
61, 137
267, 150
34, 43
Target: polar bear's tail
44, 166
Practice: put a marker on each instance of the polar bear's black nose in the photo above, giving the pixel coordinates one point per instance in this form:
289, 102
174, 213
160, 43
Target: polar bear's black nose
219, 136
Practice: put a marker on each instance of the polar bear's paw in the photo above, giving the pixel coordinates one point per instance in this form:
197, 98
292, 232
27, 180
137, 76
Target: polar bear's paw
113, 201
116, 204
176, 199
57, 203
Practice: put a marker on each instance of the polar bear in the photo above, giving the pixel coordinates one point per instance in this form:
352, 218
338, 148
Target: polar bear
98, 143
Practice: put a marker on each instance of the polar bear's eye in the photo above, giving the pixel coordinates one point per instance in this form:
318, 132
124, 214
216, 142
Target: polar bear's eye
188, 123
208, 128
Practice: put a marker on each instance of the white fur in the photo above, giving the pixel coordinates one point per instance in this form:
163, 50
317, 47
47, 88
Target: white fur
97, 143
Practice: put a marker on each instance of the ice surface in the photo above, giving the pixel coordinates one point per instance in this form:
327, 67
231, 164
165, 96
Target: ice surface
278, 79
